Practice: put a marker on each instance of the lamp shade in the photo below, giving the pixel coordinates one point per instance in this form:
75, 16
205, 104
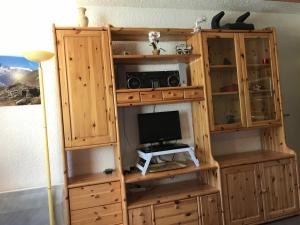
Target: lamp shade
38, 56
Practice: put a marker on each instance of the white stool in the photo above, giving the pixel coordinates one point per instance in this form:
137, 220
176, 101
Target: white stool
148, 156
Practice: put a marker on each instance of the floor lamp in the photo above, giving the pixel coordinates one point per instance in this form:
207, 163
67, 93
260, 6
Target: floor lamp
39, 57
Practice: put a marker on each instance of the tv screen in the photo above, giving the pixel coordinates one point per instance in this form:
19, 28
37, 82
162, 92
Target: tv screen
159, 127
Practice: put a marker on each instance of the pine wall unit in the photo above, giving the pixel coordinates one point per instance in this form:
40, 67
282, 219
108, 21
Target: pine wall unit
232, 86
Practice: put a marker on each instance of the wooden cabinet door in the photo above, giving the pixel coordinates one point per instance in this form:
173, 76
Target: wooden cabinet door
280, 188
177, 212
259, 65
86, 87
211, 213
140, 216
241, 195
223, 74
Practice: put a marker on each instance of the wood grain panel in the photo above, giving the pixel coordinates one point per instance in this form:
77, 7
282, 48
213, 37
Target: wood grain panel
102, 215
211, 212
94, 195
280, 188
151, 96
177, 212
241, 195
130, 97
172, 94
87, 98
193, 93
140, 216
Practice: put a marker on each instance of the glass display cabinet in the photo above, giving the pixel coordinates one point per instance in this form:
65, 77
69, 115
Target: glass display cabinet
259, 63
241, 75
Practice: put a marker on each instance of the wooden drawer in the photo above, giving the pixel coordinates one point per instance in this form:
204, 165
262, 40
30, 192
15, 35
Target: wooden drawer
172, 94
102, 215
131, 97
177, 212
193, 93
94, 195
150, 96
140, 216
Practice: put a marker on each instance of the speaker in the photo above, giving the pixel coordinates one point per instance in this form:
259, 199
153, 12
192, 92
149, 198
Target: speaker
153, 79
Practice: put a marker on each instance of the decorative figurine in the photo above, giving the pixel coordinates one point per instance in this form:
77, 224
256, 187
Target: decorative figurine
239, 24
83, 21
154, 40
198, 22
183, 49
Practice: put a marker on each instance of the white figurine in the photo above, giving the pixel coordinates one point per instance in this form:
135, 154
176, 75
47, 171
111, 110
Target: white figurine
199, 20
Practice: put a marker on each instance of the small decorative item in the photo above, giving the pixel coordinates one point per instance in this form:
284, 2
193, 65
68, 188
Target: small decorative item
229, 88
257, 87
198, 22
239, 24
125, 52
183, 49
265, 61
83, 20
154, 40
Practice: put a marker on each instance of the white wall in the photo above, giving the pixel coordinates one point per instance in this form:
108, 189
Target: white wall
27, 25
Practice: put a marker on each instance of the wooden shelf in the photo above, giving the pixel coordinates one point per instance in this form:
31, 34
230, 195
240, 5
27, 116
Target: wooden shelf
225, 93
156, 89
153, 59
89, 146
138, 177
250, 157
261, 91
169, 192
258, 65
222, 66
91, 179
141, 34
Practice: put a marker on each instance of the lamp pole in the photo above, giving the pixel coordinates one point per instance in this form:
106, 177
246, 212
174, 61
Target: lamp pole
39, 57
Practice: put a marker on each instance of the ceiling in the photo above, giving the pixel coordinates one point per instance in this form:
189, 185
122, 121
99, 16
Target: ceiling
227, 5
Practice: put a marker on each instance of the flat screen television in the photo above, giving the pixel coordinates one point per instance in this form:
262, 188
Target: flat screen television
159, 127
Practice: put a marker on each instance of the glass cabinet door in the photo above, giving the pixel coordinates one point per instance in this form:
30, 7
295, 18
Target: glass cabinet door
223, 81
260, 74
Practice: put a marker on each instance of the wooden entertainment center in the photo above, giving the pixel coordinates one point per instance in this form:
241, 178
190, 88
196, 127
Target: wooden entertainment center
233, 87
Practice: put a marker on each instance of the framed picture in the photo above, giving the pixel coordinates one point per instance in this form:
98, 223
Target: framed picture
19, 81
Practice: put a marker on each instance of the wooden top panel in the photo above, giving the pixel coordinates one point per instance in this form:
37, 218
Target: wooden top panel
167, 34
81, 28
156, 89
90, 179
141, 34
250, 157
153, 59
169, 192
138, 177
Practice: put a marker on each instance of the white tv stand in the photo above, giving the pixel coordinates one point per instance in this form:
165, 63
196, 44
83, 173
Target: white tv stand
148, 156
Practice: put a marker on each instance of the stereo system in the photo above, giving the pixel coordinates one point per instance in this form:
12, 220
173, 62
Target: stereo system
153, 79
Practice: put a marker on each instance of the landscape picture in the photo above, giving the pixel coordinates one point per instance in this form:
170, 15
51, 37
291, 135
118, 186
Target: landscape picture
19, 83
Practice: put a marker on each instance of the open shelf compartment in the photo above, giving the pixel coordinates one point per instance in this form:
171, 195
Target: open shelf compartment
138, 177
169, 192
90, 179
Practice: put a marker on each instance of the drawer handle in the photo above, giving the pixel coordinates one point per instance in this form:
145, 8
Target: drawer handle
188, 214
130, 97
97, 218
